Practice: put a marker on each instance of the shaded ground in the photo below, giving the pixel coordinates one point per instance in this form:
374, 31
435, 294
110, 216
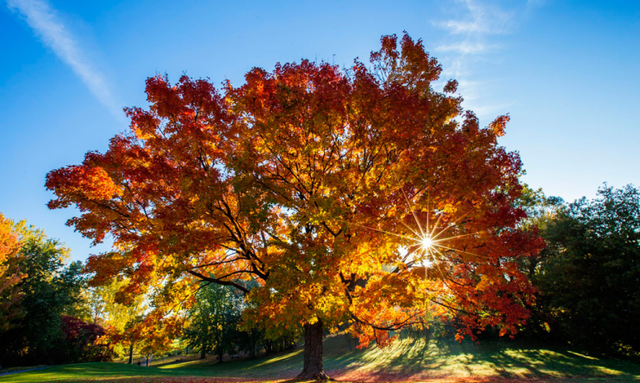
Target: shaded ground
19, 370
406, 360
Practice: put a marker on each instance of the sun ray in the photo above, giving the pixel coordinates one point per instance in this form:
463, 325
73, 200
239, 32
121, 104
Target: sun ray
436, 225
384, 231
413, 212
455, 221
428, 213
411, 229
466, 252
445, 279
441, 253
457, 236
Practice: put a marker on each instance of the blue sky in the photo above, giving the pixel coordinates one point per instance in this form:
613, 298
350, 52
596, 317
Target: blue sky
566, 71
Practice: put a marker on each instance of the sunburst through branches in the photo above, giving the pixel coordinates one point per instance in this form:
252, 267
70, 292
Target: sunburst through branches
425, 241
429, 240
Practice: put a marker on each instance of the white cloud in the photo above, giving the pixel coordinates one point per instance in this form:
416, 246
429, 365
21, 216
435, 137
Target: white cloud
467, 47
42, 18
475, 93
472, 40
481, 18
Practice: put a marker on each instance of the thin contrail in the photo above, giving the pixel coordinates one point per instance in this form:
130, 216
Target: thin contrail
42, 18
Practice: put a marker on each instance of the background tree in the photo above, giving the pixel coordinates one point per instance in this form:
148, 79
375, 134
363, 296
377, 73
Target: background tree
214, 325
49, 291
156, 335
82, 342
541, 212
10, 276
361, 196
590, 272
122, 321
146, 334
213, 321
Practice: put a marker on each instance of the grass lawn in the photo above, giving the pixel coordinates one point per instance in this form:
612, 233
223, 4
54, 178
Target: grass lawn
406, 360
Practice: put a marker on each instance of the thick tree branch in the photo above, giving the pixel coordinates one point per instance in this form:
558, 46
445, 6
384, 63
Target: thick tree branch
218, 281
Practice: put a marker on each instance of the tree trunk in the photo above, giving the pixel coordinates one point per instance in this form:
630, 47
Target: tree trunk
313, 368
252, 340
220, 354
131, 353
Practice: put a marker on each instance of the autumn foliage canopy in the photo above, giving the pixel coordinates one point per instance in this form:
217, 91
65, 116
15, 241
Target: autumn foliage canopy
321, 185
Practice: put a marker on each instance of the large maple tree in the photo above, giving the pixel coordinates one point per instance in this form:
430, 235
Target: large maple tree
361, 196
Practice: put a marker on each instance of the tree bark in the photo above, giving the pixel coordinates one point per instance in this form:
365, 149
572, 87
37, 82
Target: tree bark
313, 368
131, 353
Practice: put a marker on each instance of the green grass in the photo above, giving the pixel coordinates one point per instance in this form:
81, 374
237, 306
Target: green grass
407, 359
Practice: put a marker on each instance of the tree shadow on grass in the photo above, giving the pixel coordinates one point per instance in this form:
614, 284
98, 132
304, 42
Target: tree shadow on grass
513, 359
416, 359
